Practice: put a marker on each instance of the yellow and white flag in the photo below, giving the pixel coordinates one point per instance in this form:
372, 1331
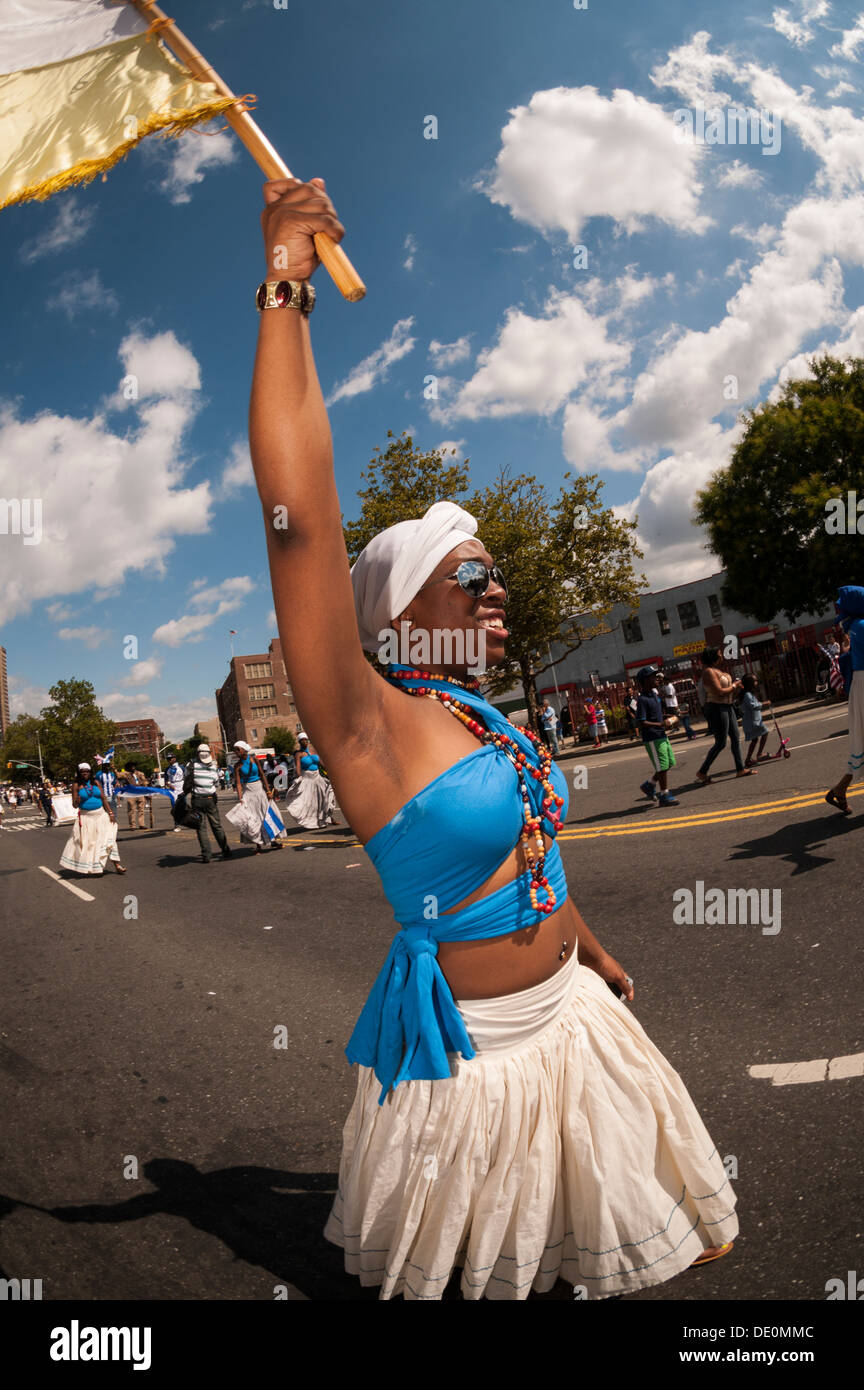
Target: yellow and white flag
81, 82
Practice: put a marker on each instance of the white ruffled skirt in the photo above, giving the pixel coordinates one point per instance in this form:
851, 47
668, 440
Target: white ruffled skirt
92, 843
568, 1147
310, 800
248, 815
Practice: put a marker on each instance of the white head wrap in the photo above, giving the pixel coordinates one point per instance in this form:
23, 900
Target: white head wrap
245, 746
397, 562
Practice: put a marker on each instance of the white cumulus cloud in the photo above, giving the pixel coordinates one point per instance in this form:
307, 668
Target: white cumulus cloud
572, 154
193, 155
82, 471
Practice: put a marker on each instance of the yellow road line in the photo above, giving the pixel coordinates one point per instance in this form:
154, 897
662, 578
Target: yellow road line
765, 808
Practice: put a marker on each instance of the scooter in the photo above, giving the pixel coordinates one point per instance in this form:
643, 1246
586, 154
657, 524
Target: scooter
783, 751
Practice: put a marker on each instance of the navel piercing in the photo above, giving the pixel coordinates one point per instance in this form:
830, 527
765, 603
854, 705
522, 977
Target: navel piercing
563, 955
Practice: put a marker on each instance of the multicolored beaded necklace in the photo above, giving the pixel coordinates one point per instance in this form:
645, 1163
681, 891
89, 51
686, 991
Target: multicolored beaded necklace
551, 803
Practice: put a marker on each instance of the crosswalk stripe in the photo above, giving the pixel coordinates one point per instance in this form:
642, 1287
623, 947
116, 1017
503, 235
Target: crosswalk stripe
73, 887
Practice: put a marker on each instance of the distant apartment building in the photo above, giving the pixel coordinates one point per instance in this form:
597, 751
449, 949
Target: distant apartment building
138, 736
207, 731
4, 696
256, 697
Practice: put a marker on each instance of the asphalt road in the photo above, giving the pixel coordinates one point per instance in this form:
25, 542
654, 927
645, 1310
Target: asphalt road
157, 1145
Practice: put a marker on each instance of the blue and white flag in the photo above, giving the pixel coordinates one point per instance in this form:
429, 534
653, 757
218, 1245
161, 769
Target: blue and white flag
272, 825
147, 791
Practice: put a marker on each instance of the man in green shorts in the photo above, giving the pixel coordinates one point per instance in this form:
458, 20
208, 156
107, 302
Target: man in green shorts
649, 718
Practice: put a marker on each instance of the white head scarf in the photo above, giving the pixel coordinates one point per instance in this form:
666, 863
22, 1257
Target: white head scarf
397, 562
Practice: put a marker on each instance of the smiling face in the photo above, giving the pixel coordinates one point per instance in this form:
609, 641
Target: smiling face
443, 605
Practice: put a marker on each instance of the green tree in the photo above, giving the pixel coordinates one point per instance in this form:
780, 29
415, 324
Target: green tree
562, 558
766, 514
74, 729
21, 745
402, 482
280, 740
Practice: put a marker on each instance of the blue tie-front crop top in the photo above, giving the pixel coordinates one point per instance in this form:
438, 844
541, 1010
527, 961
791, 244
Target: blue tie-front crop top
436, 851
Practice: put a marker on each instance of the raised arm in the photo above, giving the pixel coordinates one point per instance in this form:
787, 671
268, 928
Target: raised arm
335, 689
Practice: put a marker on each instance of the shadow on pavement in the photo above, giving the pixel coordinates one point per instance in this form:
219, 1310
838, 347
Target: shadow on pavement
797, 843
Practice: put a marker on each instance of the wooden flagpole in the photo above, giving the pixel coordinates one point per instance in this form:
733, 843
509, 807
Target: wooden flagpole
332, 257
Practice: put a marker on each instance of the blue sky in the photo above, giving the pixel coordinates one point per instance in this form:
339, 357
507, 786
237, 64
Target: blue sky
713, 271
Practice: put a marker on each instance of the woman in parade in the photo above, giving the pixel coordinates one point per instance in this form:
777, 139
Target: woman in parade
850, 611
254, 797
310, 798
93, 841
720, 691
511, 1117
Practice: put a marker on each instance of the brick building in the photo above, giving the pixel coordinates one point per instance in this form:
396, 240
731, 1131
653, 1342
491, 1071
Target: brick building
138, 736
256, 697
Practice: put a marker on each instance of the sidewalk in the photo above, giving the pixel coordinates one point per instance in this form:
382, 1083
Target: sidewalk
619, 741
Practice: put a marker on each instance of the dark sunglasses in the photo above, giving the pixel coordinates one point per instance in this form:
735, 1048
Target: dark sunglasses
474, 577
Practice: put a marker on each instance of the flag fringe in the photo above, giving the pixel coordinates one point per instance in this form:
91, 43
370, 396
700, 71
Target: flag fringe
168, 124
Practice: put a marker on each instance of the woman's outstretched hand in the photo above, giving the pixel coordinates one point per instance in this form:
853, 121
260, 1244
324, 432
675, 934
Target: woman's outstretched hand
294, 212
614, 974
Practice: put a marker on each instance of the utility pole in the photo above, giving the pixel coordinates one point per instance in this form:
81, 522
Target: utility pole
41, 769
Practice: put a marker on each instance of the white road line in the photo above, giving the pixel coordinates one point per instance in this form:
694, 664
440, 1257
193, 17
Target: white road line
824, 1069
73, 887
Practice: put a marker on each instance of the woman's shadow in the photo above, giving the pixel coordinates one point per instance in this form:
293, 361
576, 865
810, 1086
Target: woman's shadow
249, 1210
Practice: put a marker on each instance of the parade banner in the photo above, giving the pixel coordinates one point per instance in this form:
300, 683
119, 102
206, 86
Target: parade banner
84, 81
62, 809
80, 85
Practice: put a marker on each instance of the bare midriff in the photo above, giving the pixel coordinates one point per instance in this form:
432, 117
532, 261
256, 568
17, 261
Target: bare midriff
490, 966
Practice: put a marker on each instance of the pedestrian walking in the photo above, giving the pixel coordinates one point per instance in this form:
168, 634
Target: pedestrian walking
200, 782
548, 722
850, 611
720, 690
310, 799
137, 807
652, 727
602, 727
93, 842
630, 700
566, 721
591, 717
253, 797
751, 720
671, 707
107, 779
560, 1141
45, 795
175, 777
